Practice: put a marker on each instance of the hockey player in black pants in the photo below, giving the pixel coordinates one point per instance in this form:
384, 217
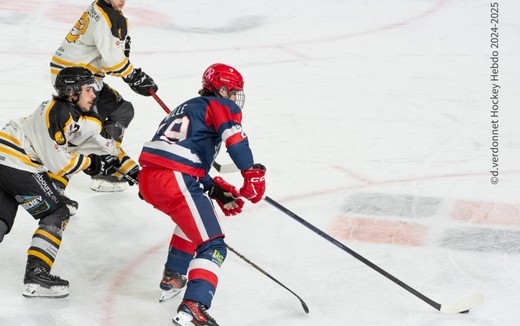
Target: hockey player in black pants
63, 137
99, 41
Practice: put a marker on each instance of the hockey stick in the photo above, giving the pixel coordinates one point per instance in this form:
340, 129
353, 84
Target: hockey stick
127, 177
158, 99
225, 168
461, 306
304, 305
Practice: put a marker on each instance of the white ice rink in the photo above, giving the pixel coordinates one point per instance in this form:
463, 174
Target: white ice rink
375, 121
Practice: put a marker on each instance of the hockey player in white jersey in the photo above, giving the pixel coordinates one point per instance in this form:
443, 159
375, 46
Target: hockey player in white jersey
63, 137
99, 41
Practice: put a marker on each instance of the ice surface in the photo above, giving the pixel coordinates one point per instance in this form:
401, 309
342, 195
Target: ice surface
374, 121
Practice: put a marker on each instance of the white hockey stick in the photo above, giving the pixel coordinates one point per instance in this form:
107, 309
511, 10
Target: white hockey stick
463, 305
225, 168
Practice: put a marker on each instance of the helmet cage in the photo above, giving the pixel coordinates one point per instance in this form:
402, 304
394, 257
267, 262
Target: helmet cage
239, 97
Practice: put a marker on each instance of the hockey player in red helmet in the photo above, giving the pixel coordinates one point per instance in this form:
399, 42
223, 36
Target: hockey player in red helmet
224, 81
174, 179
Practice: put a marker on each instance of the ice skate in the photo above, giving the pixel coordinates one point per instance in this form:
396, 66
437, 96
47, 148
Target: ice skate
109, 183
171, 284
39, 283
192, 313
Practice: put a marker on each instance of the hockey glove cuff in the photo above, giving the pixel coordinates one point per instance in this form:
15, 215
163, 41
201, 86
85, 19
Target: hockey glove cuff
226, 196
129, 168
254, 183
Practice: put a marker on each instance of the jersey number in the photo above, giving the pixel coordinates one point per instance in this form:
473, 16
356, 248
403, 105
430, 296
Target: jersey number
78, 29
177, 130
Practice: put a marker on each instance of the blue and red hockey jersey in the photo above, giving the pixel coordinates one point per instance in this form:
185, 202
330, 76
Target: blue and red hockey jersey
189, 138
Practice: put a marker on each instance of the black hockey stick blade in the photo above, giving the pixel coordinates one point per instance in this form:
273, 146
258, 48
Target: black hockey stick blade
304, 305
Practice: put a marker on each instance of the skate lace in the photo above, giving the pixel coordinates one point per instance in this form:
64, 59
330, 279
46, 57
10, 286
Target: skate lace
206, 314
53, 277
45, 273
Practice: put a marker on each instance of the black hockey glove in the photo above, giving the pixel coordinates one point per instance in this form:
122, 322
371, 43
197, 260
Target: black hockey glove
140, 82
127, 46
101, 165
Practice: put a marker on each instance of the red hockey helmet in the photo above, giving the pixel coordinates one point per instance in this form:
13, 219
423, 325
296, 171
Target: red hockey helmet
225, 81
218, 75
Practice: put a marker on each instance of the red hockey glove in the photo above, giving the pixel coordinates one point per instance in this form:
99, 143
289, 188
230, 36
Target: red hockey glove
254, 183
226, 196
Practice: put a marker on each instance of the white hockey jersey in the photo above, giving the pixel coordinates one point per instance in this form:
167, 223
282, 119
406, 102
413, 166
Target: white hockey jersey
56, 138
96, 42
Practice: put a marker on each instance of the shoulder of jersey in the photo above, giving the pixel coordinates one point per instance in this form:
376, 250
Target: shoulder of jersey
115, 19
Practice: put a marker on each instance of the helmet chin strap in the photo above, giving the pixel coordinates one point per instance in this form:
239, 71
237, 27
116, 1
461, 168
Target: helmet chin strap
74, 99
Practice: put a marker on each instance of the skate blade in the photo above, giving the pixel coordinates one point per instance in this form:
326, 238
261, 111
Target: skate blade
107, 186
167, 295
182, 319
37, 291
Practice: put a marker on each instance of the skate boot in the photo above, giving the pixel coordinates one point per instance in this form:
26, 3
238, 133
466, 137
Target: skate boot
40, 283
192, 313
108, 183
171, 284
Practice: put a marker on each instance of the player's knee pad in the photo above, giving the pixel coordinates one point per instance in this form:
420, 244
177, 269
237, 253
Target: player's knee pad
214, 250
57, 219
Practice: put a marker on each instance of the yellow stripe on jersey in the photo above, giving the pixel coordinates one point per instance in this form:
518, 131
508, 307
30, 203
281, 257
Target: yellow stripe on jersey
10, 138
20, 156
60, 62
72, 165
117, 66
94, 119
58, 179
48, 113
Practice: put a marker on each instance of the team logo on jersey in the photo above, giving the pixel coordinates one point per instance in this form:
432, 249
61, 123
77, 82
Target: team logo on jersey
59, 137
217, 257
